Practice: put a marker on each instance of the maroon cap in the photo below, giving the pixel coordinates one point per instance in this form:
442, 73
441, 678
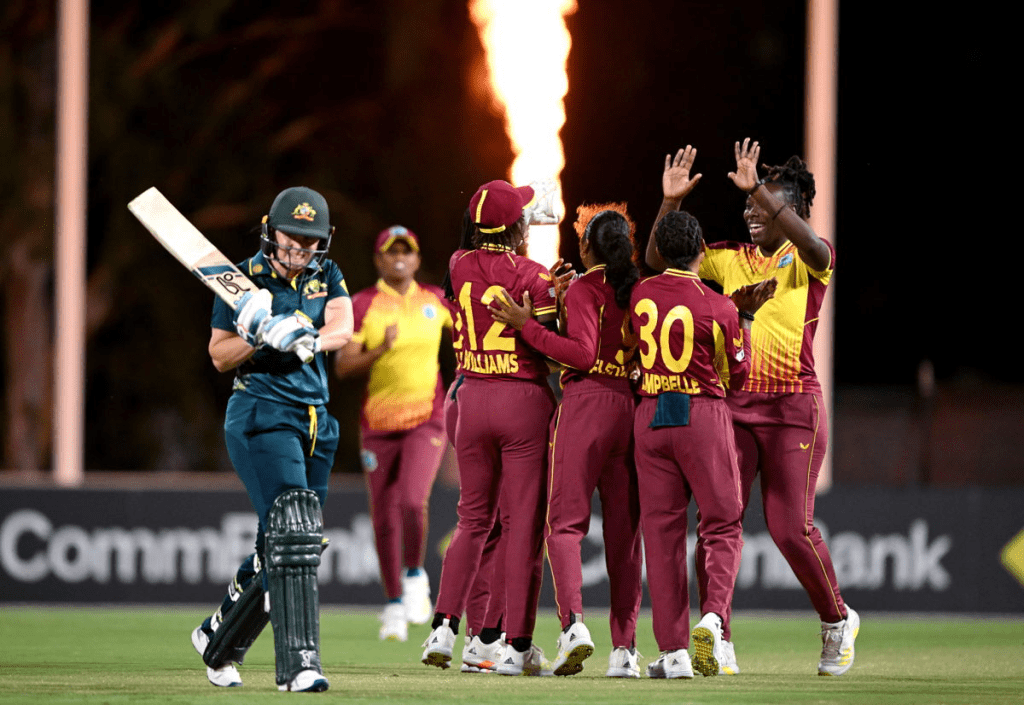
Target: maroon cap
498, 204
387, 237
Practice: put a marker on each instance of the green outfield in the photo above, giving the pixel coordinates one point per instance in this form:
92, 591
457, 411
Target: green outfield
143, 655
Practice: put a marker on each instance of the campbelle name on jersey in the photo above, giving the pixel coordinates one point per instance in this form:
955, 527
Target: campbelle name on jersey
34, 548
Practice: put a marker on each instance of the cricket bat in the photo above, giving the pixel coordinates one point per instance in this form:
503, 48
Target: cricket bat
194, 251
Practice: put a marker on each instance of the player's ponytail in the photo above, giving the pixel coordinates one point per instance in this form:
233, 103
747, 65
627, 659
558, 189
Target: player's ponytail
465, 243
609, 230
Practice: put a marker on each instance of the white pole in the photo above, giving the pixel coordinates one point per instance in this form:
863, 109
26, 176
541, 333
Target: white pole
820, 149
69, 241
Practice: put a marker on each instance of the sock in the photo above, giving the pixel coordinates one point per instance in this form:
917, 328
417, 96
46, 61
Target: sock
439, 618
489, 635
521, 643
413, 572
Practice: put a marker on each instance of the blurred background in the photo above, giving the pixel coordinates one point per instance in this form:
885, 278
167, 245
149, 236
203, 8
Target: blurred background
386, 107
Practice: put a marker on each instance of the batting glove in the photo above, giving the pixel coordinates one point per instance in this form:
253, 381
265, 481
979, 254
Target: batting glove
289, 331
252, 312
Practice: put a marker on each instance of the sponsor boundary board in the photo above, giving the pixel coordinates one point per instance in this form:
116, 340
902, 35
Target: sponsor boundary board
914, 549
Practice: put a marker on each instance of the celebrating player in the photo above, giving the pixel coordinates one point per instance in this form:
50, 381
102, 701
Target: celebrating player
501, 437
588, 447
778, 415
280, 438
398, 325
692, 347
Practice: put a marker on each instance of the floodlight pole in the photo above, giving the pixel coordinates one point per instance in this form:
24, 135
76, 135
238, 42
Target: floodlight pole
70, 241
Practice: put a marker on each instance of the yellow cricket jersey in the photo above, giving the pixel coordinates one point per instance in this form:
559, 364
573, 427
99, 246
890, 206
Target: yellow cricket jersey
405, 382
782, 335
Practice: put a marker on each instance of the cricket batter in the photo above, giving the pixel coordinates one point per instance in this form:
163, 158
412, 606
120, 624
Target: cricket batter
589, 448
280, 438
778, 415
504, 405
693, 345
398, 327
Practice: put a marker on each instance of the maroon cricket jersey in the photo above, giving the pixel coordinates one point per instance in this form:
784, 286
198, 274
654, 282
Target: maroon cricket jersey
595, 337
689, 337
484, 347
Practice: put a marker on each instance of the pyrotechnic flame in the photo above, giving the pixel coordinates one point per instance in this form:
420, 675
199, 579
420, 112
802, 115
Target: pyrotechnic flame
527, 44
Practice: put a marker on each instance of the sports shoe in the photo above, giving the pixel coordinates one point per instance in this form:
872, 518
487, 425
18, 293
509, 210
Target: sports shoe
524, 663
671, 664
478, 657
574, 647
728, 666
416, 597
224, 677
308, 681
707, 645
623, 663
439, 646
837, 644
393, 626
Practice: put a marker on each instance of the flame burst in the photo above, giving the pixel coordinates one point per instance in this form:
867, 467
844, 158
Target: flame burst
527, 44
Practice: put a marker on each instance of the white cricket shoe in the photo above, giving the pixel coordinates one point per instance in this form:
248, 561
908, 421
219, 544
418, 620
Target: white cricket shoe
574, 647
478, 657
837, 644
416, 598
524, 663
308, 681
224, 677
707, 645
671, 664
439, 646
728, 665
623, 663
393, 626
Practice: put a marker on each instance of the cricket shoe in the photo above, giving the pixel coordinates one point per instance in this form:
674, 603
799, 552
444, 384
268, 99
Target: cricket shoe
393, 626
728, 665
224, 677
416, 597
478, 657
439, 646
671, 664
574, 647
707, 645
524, 663
308, 681
623, 663
837, 644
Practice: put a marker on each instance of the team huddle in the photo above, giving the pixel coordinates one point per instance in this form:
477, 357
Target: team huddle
670, 391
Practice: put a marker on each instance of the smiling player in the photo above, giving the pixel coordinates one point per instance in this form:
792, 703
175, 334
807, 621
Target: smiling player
398, 325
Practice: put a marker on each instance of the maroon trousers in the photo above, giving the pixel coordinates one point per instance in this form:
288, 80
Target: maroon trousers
485, 605
672, 464
592, 448
783, 437
501, 447
400, 468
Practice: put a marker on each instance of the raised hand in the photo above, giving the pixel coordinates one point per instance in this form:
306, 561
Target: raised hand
504, 309
745, 176
544, 210
252, 311
676, 181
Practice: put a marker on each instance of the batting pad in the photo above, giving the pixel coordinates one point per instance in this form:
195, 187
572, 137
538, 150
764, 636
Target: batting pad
240, 627
294, 536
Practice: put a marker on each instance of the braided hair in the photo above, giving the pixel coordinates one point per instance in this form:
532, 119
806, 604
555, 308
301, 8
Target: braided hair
609, 230
797, 183
680, 239
509, 237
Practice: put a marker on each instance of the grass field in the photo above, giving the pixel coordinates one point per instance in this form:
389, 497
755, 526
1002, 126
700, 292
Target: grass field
143, 655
